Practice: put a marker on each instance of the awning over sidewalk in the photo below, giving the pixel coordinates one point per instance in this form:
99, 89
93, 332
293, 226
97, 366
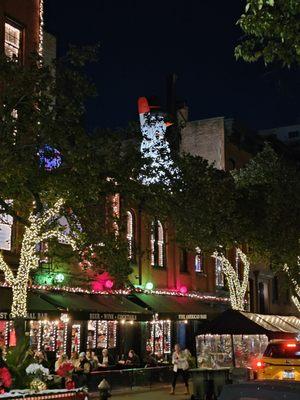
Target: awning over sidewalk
176, 307
96, 307
38, 308
244, 323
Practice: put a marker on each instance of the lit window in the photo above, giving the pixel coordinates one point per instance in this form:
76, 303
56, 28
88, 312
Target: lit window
157, 245
12, 43
6, 223
219, 273
198, 260
130, 234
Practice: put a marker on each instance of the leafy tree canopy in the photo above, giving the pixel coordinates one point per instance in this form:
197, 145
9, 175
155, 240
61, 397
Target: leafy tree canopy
269, 190
46, 153
272, 32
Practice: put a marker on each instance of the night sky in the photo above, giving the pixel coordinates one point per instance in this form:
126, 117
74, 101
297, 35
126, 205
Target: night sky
142, 42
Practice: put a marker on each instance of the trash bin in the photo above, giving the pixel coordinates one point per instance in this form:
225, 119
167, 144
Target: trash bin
208, 382
200, 383
220, 377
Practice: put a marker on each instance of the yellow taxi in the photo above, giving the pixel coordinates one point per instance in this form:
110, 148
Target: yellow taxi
281, 360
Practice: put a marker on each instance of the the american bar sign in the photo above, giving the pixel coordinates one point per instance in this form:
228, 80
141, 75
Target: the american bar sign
184, 317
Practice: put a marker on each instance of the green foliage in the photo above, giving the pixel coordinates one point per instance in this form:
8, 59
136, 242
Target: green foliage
269, 191
18, 358
272, 32
50, 104
202, 204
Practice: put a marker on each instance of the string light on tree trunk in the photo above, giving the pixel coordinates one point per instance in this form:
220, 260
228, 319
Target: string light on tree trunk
295, 297
237, 287
36, 232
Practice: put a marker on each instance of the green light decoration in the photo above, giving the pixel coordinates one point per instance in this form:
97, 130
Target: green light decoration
59, 278
43, 279
149, 286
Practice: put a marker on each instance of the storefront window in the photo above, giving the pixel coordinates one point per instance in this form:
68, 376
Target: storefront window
91, 334
48, 336
12, 342
159, 337
112, 335
35, 334
61, 337
3, 334
75, 339
102, 334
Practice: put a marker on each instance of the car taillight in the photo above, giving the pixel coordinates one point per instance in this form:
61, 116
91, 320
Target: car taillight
291, 345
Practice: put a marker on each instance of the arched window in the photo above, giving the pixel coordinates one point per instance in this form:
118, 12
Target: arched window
157, 244
199, 267
219, 273
131, 235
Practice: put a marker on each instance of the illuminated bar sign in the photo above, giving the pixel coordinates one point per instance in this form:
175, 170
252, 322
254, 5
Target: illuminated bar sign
30, 316
184, 317
112, 316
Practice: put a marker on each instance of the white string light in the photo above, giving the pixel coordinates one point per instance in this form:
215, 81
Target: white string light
6, 334
295, 298
41, 28
36, 232
237, 287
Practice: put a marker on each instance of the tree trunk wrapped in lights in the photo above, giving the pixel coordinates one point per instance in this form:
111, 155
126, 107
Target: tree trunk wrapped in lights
39, 230
237, 287
296, 296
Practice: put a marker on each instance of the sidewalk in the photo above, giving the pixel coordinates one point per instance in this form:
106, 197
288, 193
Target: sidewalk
161, 393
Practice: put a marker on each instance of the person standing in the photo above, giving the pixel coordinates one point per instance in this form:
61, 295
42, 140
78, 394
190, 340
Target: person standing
180, 367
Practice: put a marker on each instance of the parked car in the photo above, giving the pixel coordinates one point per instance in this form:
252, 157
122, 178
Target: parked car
264, 390
281, 360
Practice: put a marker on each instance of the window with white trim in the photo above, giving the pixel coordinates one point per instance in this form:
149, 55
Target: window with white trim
12, 40
6, 224
130, 235
198, 260
219, 273
157, 243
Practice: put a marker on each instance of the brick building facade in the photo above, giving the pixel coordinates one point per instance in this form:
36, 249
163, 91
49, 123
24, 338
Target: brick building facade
21, 28
228, 144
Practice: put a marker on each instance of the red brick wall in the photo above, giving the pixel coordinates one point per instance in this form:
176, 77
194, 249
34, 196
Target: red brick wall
26, 13
170, 277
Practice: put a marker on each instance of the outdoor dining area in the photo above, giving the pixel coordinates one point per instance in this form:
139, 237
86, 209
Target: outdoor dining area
228, 346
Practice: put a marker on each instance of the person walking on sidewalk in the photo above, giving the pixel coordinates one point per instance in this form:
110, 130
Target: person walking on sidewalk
180, 367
